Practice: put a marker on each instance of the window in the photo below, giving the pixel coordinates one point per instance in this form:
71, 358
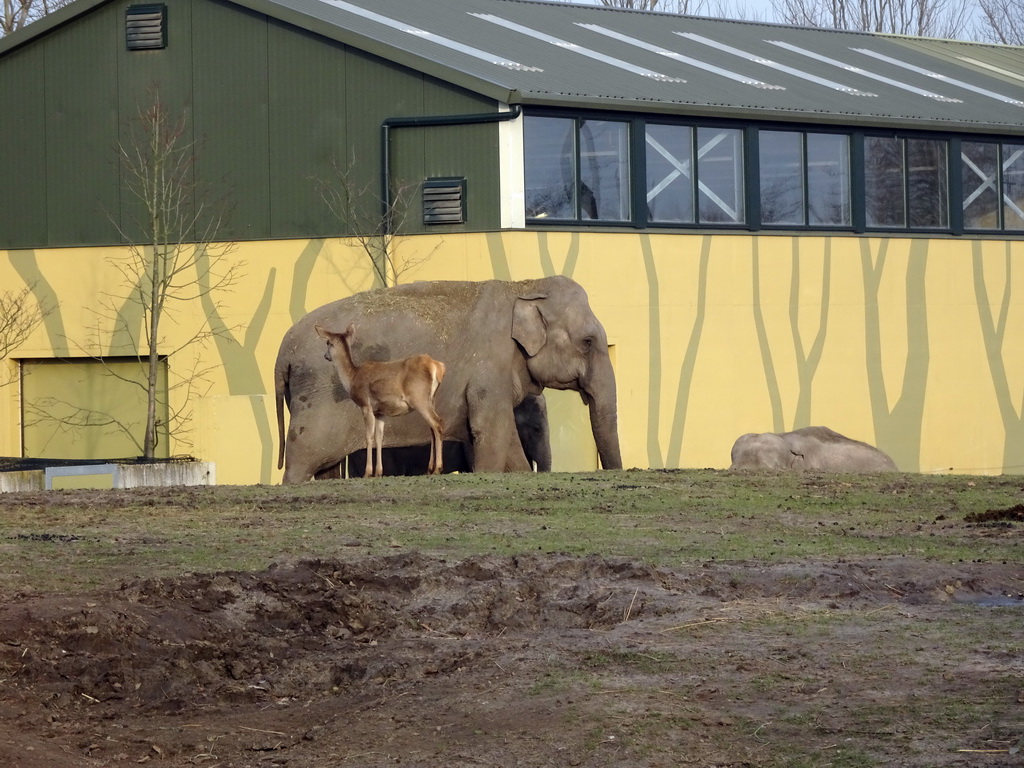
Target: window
828, 179
720, 175
577, 169
670, 177
805, 178
681, 190
885, 198
645, 171
928, 183
906, 182
993, 185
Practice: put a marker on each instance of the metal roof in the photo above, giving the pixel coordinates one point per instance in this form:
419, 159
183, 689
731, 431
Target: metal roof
585, 56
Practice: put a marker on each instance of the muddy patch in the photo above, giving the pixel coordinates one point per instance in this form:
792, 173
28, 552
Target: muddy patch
532, 660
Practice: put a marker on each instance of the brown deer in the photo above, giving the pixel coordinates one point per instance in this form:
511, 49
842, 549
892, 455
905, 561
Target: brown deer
384, 389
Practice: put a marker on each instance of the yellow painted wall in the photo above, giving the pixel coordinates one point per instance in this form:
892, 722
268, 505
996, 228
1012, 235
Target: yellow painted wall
908, 343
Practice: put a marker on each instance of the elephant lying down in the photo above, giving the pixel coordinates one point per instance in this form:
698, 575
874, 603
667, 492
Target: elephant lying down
809, 448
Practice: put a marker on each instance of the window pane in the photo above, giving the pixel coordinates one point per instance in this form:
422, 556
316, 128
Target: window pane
828, 179
980, 166
883, 182
782, 177
550, 168
1013, 186
928, 183
670, 173
720, 175
604, 170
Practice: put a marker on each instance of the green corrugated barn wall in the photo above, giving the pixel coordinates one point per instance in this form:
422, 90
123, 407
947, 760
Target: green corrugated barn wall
271, 108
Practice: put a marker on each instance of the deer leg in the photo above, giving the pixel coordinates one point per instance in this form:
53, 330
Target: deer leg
436, 441
379, 438
370, 421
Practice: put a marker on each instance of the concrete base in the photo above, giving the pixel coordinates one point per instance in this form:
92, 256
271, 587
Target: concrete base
110, 476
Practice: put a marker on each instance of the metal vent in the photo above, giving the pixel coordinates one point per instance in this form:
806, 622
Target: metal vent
145, 27
443, 201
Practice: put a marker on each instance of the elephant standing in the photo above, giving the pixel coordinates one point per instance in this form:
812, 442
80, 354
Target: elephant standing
809, 448
501, 342
534, 431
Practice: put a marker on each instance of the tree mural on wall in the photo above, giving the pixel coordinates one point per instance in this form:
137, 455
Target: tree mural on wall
807, 360
689, 364
897, 427
897, 419
994, 333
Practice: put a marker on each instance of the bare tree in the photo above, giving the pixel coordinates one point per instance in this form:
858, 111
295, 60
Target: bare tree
1000, 21
175, 263
920, 18
377, 230
180, 261
712, 8
15, 14
19, 316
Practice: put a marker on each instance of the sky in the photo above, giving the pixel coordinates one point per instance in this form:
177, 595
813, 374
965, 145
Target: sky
763, 8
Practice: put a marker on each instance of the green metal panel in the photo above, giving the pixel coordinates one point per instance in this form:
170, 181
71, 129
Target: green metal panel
145, 77
307, 129
378, 90
463, 150
22, 125
231, 113
81, 108
375, 91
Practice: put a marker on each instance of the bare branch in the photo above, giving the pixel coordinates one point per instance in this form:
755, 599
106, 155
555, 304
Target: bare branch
20, 315
920, 18
178, 262
1001, 21
15, 14
360, 209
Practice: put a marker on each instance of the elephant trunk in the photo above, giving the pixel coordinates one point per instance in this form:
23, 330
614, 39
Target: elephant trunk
604, 423
604, 420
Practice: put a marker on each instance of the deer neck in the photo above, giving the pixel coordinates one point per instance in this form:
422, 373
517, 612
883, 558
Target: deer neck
346, 366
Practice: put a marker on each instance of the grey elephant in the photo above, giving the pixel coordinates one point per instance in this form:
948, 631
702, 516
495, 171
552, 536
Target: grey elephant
809, 448
534, 431
531, 425
501, 341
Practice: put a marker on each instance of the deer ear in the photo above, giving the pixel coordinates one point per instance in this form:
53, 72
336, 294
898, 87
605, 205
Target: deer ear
324, 333
528, 326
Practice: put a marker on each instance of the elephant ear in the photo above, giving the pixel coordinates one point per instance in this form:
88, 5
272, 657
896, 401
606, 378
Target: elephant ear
528, 326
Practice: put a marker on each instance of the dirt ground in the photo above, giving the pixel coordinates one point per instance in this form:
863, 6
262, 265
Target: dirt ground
537, 660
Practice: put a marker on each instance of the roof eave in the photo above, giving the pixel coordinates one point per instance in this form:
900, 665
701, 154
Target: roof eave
50, 21
491, 89
748, 113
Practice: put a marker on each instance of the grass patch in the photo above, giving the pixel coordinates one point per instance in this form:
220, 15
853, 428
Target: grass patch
660, 517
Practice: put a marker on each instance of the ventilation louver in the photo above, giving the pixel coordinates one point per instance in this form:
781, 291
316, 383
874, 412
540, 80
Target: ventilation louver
443, 201
146, 27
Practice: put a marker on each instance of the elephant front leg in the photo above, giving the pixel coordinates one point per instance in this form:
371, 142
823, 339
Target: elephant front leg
496, 446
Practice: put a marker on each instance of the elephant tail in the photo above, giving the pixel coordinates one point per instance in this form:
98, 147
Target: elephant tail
280, 388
